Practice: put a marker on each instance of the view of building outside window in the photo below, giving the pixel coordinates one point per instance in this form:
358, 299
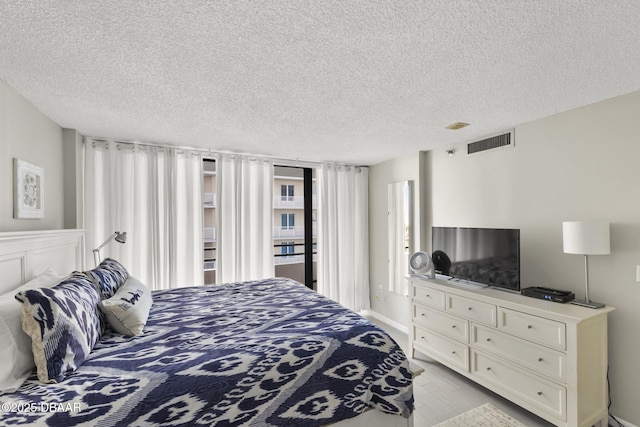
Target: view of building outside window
288, 222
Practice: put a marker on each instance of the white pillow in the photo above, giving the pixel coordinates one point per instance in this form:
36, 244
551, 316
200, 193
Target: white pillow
16, 355
127, 311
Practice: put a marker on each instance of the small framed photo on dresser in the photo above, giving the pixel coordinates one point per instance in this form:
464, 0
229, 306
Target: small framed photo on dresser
28, 190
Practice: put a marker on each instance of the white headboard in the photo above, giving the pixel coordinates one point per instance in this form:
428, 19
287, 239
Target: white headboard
26, 254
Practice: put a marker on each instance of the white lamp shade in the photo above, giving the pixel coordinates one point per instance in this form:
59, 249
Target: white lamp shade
586, 237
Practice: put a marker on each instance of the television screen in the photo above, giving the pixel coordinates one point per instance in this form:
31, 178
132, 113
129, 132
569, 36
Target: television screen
488, 256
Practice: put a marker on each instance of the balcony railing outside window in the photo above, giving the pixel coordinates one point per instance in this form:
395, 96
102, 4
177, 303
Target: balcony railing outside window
292, 259
209, 235
296, 232
209, 200
291, 202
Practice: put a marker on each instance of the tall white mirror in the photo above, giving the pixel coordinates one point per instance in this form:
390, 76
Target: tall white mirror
400, 204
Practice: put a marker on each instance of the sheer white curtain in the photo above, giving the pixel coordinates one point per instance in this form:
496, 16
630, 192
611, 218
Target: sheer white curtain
343, 235
155, 195
245, 218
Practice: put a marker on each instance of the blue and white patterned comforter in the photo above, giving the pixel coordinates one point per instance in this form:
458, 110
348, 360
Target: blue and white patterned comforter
265, 353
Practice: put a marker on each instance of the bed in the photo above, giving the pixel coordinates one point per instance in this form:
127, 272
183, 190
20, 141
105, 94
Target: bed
261, 353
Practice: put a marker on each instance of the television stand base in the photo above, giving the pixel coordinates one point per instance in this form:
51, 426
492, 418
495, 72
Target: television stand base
467, 284
590, 304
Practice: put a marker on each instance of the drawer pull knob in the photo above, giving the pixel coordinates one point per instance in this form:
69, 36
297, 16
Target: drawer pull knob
453, 326
422, 338
453, 352
540, 359
469, 308
488, 368
428, 296
529, 326
539, 393
488, 339
422, 314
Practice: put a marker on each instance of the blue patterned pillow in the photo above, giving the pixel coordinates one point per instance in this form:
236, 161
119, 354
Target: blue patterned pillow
64, 324
108, 277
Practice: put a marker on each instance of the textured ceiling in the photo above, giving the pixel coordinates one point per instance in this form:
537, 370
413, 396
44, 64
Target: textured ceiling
355, 81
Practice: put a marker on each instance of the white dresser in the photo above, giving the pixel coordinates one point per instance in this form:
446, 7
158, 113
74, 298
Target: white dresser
547, 357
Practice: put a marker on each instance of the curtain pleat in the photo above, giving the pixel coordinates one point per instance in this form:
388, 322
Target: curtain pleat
155, 195
343, 242
245, 219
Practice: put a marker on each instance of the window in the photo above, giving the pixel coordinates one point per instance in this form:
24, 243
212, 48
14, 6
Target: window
295, 230
288, 221
287, 248
286, 193
209, 220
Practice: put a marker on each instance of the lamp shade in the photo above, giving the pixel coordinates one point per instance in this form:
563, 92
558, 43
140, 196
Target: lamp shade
586, 237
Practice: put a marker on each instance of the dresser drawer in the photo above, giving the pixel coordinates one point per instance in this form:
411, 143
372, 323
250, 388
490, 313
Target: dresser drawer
543, 360
545, 395
447, 324
451, 351
428, 296
533, 328
478, 311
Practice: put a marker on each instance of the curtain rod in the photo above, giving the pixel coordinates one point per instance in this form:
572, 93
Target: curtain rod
280, 161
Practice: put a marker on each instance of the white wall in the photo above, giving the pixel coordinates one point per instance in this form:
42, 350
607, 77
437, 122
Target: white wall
581, 164
27, 134
73, 154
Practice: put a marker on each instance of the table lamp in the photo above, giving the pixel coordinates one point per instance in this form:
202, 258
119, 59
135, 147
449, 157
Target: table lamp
586, 238
120, 237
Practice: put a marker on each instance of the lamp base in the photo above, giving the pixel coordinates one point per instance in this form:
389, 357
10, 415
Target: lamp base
585, 303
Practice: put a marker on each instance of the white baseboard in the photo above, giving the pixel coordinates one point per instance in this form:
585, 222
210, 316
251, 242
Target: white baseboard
399, 326
621, 421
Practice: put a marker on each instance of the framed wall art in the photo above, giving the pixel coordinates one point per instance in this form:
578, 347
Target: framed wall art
28, 191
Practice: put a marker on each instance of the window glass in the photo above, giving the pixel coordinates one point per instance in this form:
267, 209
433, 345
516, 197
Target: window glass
286, 192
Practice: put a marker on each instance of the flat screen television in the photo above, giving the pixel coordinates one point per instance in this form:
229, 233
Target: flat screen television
489, 256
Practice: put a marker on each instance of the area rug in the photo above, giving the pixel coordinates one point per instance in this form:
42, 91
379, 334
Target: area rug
486, 415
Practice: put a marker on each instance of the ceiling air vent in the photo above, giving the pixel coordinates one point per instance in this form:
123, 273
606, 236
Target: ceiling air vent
498, 141
457, 125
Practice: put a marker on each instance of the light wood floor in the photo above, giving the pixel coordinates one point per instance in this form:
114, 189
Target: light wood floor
441, 393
